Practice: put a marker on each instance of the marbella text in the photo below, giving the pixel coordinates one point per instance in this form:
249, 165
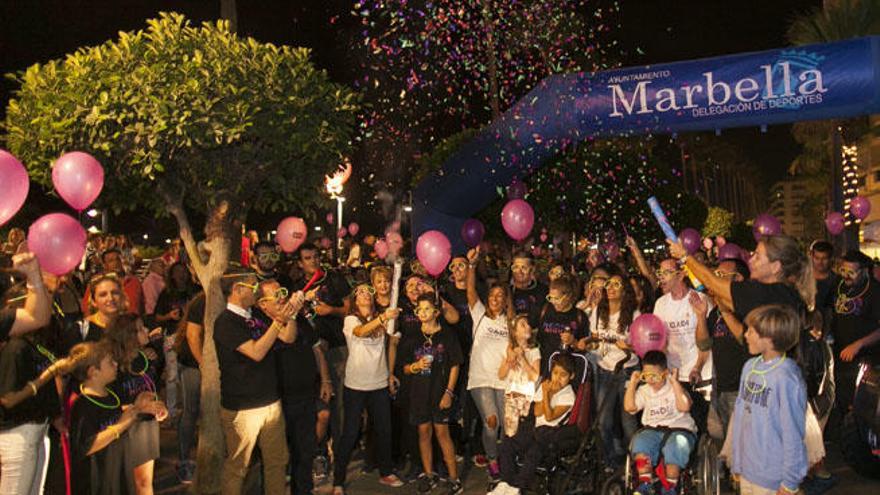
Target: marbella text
715, 97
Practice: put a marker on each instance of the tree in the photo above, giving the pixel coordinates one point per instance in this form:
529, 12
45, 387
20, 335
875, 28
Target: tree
190, 118
838, 20
719, 222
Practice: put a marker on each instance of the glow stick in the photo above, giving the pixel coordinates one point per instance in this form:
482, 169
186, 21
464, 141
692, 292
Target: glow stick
395, 293
670, 234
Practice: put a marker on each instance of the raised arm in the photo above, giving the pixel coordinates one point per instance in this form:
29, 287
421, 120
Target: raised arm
37, 307
473, 256
719, 287
644, 269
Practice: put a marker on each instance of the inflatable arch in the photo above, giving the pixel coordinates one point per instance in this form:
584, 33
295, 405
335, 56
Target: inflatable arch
813, 82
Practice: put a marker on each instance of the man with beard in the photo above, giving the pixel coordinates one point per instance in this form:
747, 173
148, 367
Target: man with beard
528, 294
856, 324
328, 299
266, 262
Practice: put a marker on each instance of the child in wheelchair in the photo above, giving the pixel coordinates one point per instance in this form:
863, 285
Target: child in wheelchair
553, 401
668, 426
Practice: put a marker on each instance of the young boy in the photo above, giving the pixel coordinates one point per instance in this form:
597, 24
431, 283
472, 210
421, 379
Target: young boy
768, 450
665, 405
553, 401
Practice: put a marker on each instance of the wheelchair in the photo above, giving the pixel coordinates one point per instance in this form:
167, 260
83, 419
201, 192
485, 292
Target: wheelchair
701, 475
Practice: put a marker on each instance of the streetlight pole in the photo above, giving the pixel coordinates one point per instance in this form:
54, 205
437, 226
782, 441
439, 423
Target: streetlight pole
334, 185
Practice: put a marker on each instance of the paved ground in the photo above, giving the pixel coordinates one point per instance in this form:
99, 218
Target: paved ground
475, 479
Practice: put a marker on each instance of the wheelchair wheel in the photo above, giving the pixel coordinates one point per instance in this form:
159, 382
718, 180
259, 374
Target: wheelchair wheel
615, 484
707, 471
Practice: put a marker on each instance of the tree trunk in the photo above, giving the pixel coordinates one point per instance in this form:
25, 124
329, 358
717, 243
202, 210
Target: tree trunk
229, 12
209, 265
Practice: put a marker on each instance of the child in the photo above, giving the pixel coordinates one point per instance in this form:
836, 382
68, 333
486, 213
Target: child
520, 369
97, 420
768, 450
432, 358
553, 402
666, 416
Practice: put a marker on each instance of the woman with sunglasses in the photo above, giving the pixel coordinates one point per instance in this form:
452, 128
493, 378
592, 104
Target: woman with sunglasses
366, 385
490, 330
593, 289
609, 330
559, 323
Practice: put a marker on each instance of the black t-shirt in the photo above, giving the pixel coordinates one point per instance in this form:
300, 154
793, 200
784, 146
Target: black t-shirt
21, 362
297, 367
728, 355
196, 316
102, 472
464, 328
857, 317
825, 290
170, 300
7, 319
426, 388
750, 294
550, 324
408, 323
529, 301
244, 383
145, 376
332, 291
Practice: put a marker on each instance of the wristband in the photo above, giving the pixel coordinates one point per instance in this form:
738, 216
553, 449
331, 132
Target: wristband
449, 393
33, 387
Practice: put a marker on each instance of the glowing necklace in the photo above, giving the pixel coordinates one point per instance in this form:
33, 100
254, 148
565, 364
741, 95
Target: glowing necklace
760, 374
845, 304
143, 374
83, 393
46, 353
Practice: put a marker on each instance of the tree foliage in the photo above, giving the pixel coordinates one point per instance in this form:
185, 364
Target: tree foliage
194, 111
719, 222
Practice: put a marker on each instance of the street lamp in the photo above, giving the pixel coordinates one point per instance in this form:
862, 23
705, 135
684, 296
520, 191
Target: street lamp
334, 185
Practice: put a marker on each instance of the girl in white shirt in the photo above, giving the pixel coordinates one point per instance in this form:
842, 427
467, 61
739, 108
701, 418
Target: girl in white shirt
520, 369
366, 385
491, 336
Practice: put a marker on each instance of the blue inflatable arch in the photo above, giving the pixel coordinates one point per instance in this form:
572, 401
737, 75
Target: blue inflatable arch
833, 80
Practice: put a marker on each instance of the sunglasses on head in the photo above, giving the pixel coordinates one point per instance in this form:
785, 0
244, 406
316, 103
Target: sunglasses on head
278, 295
254, 287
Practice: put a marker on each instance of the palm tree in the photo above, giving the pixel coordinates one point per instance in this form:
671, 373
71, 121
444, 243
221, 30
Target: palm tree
837, 20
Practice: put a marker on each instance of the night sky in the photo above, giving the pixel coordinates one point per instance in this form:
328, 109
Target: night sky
651, 31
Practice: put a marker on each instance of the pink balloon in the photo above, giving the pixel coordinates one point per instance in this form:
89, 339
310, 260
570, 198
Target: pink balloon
291, 233
647, 333
434, 252
543, 237
78, 178
58, 241
720, 241
517, 218
394, 241
329, 218
860, 207
326, 243
690, 239
835, 222
381, 248
353, 228
15, 183
342, 232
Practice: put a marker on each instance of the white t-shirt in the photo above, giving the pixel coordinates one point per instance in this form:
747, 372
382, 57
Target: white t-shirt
564, 397
658, 408
518, 379
681, 334
491, 339
608, 353
367, 367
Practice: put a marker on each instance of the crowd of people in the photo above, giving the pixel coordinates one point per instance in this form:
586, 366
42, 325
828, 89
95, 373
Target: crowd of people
321, 362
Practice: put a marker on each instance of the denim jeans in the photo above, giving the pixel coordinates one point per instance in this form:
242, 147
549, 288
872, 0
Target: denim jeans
490, 402
676, 450
378, 405
336, 358
171, 375
609, 396
300, 415
190, 380
24, 455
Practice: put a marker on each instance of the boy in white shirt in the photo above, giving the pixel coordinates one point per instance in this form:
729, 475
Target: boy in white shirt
553, 402
665, 405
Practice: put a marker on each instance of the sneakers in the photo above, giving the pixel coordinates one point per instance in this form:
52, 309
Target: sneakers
503, 488
391, 480
480, 461
645, 489
494, 470
454, 487
186, 472
319, 468
426, 482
